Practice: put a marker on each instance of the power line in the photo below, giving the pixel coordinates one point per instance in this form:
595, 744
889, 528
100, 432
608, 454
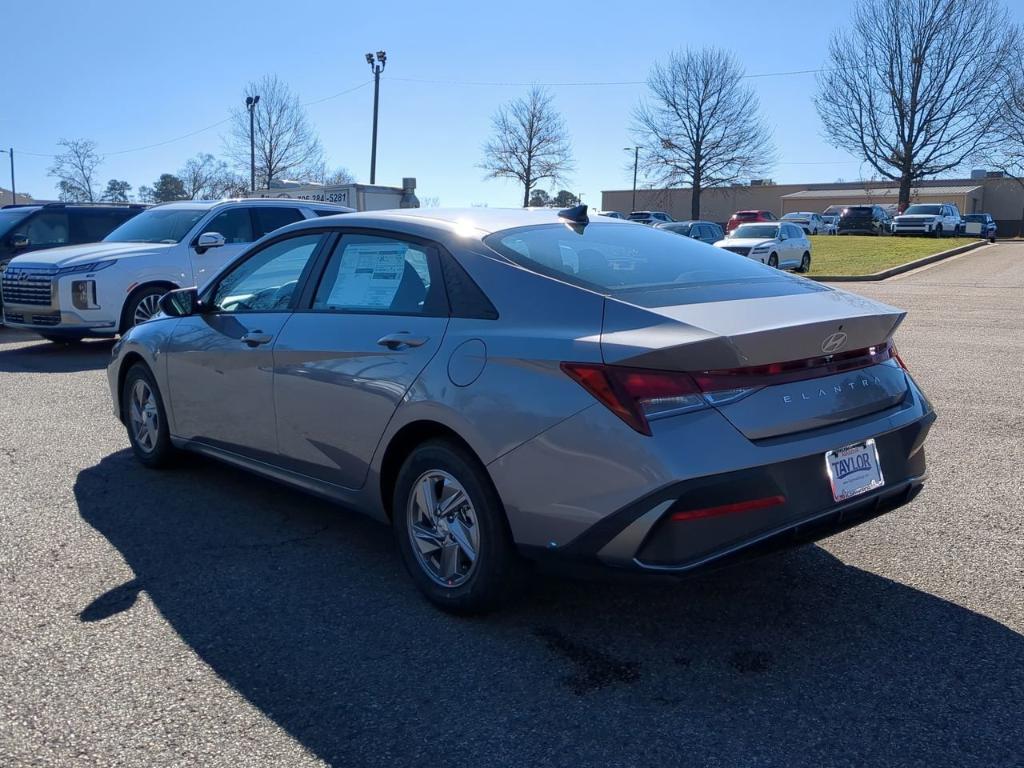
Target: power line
199, 130
587, 83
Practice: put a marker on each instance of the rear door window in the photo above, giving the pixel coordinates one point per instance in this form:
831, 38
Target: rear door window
47, 229
268, 219
369, 273
91, 226
235, 224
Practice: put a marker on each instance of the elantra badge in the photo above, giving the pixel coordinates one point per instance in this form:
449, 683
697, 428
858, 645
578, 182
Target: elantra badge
833, 343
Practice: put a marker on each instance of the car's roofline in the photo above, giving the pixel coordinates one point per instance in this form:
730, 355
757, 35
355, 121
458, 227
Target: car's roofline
257, 201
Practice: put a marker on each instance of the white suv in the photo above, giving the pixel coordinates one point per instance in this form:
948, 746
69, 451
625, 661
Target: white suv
105, 288
935, 219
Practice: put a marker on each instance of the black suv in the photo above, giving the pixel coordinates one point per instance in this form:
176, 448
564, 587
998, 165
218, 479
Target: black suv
865, 220
25, 228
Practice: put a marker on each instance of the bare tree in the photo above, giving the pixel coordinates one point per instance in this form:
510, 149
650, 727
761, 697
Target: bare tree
75, 170
1008, 153
203, 177
286, 144
530, 143
914, 86
700, 125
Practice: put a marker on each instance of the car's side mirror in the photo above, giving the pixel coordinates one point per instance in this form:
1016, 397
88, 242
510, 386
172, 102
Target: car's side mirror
783, 236
19, 242
209, 240
180, 303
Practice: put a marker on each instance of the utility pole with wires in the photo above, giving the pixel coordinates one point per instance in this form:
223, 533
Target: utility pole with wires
636, 163
10, 151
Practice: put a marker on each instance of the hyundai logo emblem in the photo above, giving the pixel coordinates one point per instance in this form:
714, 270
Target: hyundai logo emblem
833, 343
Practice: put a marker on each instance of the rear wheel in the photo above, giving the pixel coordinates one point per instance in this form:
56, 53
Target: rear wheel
145, 418
773, 261
451, 530
938, 231
143, 304
805, 263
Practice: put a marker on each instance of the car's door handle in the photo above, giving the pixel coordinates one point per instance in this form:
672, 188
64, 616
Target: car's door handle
402, 340
256, 338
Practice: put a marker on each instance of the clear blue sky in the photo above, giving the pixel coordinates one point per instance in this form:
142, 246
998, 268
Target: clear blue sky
127, 74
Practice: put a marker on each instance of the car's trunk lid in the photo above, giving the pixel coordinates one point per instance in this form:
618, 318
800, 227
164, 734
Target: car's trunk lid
757, 335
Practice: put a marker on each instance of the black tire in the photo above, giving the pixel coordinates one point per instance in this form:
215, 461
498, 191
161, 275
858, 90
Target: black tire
135, 300
161, 452
497, 570
992, 239
773, 261
58, 339
938, 231
805, 264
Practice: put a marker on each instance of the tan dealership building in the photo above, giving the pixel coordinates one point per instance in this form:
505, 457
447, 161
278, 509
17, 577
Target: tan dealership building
985, 193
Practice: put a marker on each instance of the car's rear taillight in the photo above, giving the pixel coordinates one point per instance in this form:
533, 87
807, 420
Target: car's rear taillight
637, 394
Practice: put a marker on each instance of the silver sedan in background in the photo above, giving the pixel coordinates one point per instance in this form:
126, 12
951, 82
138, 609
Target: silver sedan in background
506, 386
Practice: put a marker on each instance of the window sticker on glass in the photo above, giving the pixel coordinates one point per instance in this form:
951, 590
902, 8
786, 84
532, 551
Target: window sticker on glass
369, 275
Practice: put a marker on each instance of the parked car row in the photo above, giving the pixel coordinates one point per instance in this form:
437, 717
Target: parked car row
70, 292
935, 220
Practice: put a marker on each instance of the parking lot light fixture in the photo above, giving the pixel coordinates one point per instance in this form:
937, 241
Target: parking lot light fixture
250, 104
376, 66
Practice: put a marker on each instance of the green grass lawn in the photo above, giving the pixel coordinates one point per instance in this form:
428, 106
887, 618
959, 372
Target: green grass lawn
862, 255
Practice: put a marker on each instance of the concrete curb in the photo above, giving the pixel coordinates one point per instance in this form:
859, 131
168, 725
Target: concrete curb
900, 269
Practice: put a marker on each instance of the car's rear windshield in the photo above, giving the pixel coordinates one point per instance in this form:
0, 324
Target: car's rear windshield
650, 266
12, 216
681, 229
930, 210
975, 217
745, 215
157, 225
858, 210
797, 216
756, 230
639, 216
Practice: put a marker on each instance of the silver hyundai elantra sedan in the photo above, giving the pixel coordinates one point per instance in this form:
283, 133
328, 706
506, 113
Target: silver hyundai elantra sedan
504, 386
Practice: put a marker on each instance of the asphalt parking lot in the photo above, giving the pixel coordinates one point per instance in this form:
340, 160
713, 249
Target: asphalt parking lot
200, 616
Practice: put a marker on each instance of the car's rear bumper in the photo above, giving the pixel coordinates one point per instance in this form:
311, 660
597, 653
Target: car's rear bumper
641, 536
644, 537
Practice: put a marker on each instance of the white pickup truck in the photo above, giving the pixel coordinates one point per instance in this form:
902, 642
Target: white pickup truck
102, 289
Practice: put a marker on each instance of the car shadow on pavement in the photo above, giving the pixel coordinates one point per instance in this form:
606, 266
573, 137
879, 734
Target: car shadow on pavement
37, 355
305, 610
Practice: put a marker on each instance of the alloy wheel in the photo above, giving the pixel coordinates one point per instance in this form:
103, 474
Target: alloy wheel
144, 416
147, 307
443, 527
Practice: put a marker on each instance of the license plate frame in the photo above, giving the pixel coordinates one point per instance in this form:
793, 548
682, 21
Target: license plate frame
849, 474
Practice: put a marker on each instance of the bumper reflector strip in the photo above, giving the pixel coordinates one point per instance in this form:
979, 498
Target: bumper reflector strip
728, 509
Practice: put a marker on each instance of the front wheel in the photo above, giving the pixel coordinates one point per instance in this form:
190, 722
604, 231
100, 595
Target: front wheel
451, 530
141, 306
805, 263
773, 261
938, 231
145, 418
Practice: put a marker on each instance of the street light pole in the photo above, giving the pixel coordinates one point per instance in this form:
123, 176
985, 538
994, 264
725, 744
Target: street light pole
376, 67
250, 104
14, 197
